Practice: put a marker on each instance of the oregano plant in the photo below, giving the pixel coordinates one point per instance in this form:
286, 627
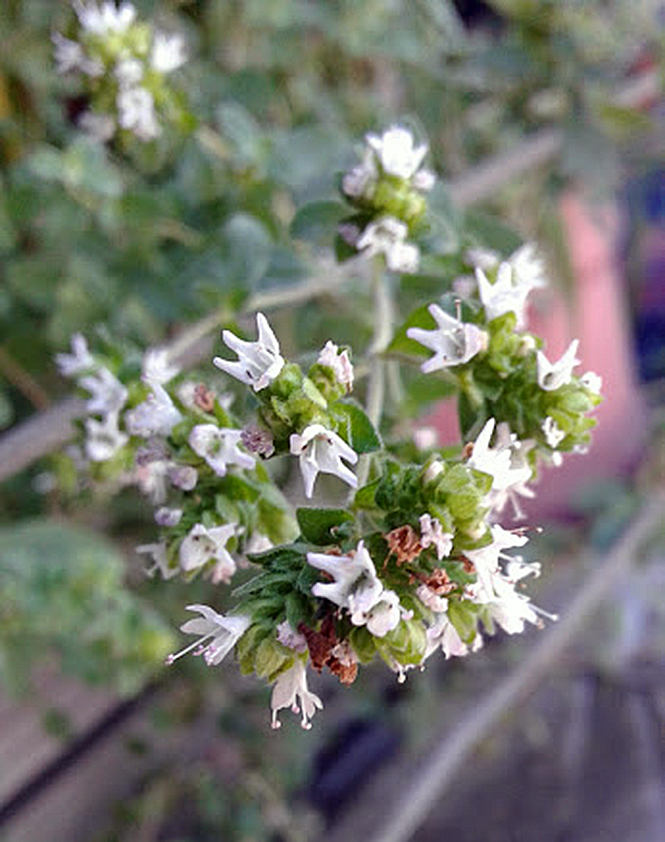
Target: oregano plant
405, 552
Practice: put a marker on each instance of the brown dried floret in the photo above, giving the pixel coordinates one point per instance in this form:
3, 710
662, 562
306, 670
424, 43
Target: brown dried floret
320, 643
204, 397
345, 672
404, 543
440, 582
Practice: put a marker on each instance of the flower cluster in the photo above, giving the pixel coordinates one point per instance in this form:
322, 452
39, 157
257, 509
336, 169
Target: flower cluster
420, 568
386, 190
123, 63
416, 561
297, 413
176, 439
541, 407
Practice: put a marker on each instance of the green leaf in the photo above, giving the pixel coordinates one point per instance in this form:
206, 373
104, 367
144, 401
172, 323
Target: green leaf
246, 247
239, 126
464, 617
355, 427
492, 233
317, 222
318, 525
365, 496
402, 345
424, 389
363, 643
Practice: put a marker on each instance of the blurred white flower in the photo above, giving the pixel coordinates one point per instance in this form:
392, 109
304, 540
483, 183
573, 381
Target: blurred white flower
107, 394
103, 438
202, 545
219, 447
157, 553
168, 52
79, 360
71, 57
396, 151
157, 366
100, 127
387, 236
136, 113
129, 72
104, 18
156, 416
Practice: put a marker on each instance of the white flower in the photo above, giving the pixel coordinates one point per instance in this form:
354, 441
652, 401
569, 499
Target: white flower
100, 127
103, 438
355, 584
156, 416
290, 687
528, 267
396, 151
453, 341
515, 278
486, 561
498, 461
107, 394
79, 360
157, 366
218, 634
201, 545
443, 635
183, 476
70, 56
552, 376
519, 464
424, 180
382, 617
387, 236
592, 381
168, 52
554, 435
219, 448
339, 362
321, 451
289, 637
511, 610
168, 517
431, 599
136, 113
129, 72
157, 553
360, 181
106, 18
432, 534
258, 362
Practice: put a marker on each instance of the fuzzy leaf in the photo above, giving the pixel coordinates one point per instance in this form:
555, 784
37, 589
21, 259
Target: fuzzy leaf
356, 428
318, 525
317, 222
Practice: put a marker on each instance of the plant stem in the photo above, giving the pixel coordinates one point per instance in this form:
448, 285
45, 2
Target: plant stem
376, 384
23, 381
